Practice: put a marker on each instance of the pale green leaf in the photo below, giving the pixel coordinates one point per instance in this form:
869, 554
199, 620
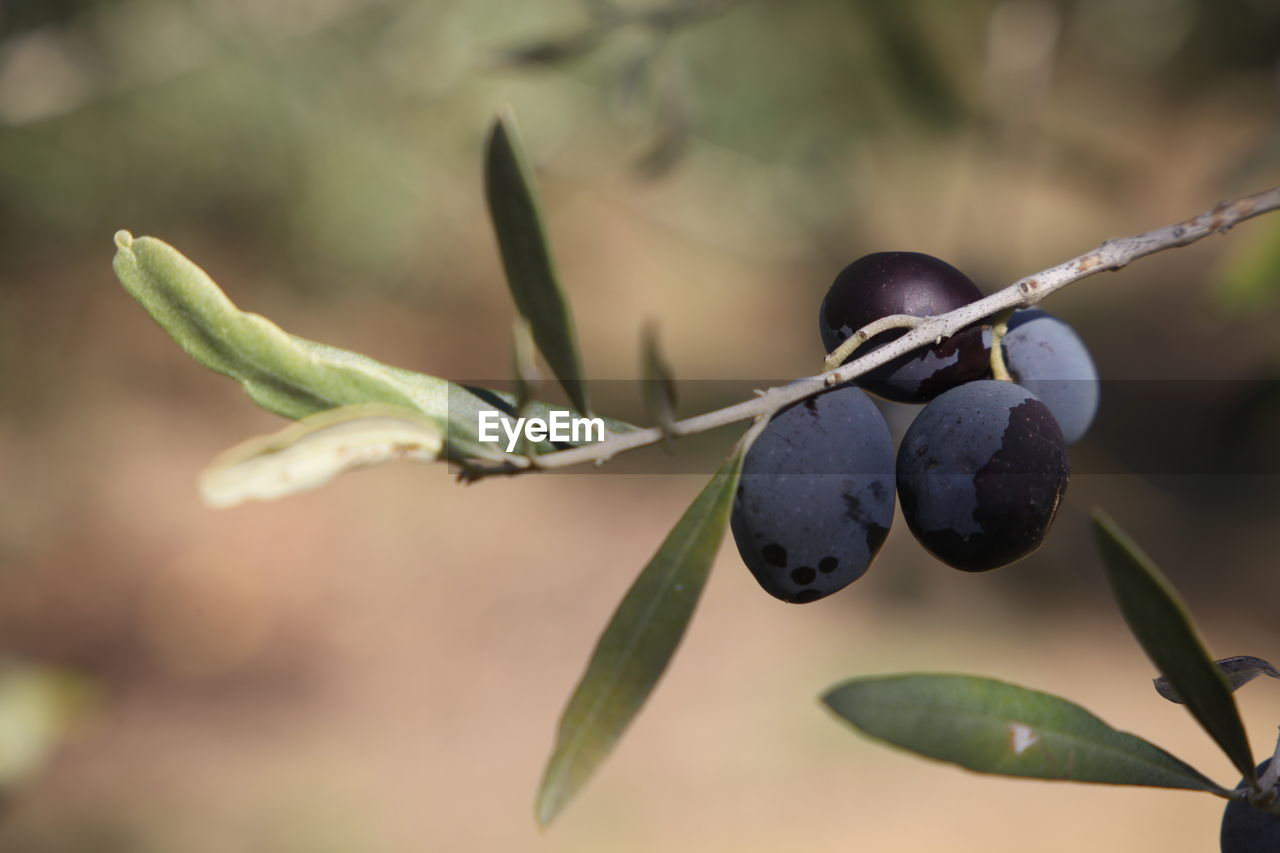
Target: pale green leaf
292, 376
282, 373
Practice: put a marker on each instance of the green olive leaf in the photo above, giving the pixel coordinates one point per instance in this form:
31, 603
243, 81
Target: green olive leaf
990, 726
638, 643
1239, 671
1160, 622
526, 257
285, 374
292, 376
524, 372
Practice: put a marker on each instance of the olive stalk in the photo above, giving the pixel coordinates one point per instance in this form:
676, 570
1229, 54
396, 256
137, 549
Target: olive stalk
867, 332
1000, 328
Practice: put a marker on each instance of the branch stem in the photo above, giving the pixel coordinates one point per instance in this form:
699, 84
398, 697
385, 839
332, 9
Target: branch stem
1111, 255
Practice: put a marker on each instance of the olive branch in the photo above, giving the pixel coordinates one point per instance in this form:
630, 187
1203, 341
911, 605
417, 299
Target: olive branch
921, 331
353, 411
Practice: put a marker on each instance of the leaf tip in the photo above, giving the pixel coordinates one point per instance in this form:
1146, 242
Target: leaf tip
213, 491
124, 240
547, 807
505, 118
1106, 530
502, 128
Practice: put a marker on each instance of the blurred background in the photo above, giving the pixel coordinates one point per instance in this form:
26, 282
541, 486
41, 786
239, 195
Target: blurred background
379, 666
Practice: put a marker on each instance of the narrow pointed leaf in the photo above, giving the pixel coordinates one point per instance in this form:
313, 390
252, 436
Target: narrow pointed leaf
292, 376
526, 257
989, 726
309, 453
523, 370
523, 374
638, 643
1238, 671
659, 387
1160, 622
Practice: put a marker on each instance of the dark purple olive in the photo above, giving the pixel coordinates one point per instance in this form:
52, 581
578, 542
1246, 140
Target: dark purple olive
981, 472
885, 283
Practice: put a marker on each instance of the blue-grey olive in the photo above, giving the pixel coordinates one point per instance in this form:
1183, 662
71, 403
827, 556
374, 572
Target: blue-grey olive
816, 496
1047, 357
1248, 829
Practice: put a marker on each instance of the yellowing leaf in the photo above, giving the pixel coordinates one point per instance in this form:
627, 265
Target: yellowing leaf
317, 448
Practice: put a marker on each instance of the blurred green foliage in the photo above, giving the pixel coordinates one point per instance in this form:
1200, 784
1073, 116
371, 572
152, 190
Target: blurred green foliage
1250, 277
37, 706
334, 140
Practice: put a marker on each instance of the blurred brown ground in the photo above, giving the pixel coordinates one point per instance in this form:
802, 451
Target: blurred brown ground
379, 666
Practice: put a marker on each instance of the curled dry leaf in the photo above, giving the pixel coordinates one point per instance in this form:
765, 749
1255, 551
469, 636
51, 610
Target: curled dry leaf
1239, 671
316, 449
659, 386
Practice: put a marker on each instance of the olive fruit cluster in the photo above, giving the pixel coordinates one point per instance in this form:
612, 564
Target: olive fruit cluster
980, 472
